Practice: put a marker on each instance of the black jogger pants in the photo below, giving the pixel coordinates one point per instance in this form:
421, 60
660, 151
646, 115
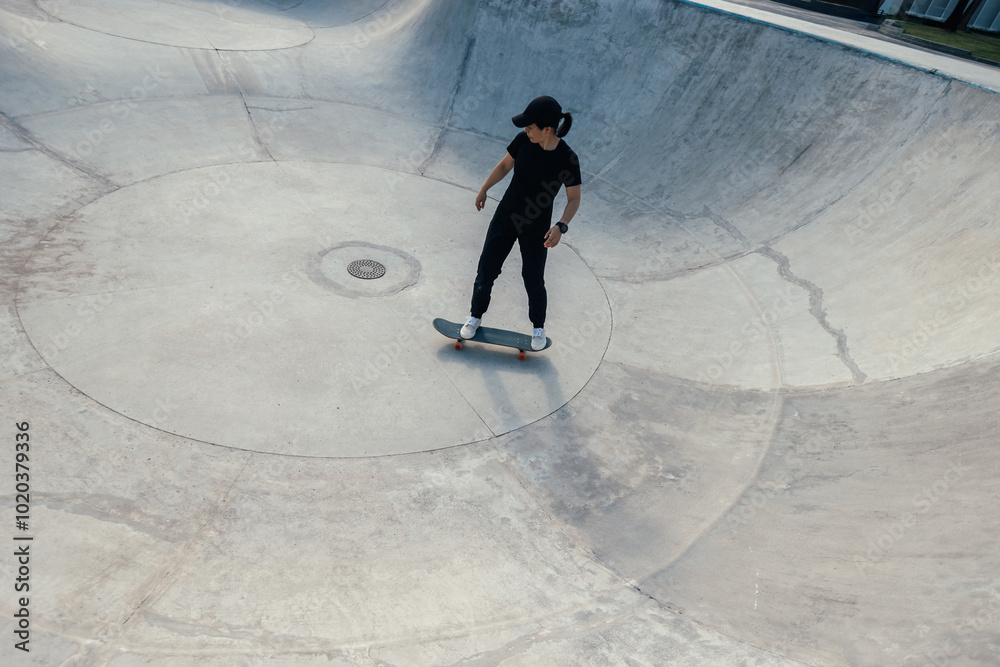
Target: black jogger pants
500, 238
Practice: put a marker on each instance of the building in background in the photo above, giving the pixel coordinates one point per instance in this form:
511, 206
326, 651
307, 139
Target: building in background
985, 18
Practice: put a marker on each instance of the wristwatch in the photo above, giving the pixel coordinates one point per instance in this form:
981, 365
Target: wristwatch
563, 227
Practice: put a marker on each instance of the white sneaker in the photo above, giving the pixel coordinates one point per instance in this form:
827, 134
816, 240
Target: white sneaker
538, 339
469, 330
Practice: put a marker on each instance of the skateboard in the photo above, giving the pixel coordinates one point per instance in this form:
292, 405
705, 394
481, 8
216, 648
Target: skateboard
519, 341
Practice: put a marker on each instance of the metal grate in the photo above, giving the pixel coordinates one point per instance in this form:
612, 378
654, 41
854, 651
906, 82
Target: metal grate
366, 269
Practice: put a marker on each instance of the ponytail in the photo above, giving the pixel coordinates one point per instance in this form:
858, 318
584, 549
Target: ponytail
567, 122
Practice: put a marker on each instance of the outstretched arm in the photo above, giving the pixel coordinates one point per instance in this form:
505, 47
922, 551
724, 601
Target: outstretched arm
502, 169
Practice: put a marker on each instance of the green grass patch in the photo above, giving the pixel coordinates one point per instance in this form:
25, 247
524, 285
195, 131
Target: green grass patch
981, 46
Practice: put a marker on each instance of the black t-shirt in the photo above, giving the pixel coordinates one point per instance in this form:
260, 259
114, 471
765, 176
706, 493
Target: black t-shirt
538, 175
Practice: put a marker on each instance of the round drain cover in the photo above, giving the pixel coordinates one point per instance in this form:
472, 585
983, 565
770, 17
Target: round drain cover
367, 269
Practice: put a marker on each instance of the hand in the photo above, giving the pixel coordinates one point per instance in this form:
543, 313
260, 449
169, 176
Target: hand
552, 237
481, 200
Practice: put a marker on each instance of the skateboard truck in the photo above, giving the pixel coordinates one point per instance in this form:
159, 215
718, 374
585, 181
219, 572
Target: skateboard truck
521, 354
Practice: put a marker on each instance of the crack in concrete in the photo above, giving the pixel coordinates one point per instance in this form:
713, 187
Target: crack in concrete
817, 310
109, 642
726, 225
258, 140
544, 633
279, 110
446, 121
28, 137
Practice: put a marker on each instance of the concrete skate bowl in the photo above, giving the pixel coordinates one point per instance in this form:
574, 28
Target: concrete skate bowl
769, 435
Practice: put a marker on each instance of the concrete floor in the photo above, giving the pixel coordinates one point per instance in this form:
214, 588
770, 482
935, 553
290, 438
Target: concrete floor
766, 433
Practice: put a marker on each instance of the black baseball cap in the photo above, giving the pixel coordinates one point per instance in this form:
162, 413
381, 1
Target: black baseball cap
542, 111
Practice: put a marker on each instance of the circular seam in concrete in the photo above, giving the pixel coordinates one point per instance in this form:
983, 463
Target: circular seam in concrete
186, 27
308, 371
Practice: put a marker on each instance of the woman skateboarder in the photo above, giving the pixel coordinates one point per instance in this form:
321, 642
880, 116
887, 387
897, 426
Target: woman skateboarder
542, 162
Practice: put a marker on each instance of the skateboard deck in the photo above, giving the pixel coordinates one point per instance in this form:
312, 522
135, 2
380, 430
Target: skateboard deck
519, 341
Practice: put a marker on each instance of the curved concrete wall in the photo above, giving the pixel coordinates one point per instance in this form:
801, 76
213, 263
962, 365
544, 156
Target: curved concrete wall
720, 136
